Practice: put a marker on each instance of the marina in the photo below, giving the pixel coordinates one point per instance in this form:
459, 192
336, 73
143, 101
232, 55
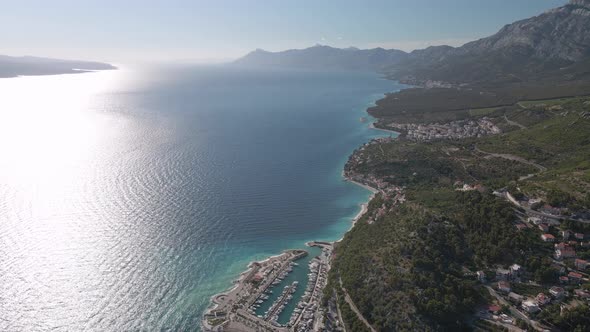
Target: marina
281, 293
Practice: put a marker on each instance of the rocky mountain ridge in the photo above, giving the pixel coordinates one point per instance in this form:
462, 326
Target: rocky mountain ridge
322, 56
554, 44
548, 42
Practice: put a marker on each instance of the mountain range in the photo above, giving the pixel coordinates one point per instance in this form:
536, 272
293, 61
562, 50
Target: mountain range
554, 44
542, 57
322, 56
28, 65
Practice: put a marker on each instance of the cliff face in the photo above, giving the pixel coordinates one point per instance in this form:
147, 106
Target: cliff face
561, 33
553, 46
553, 40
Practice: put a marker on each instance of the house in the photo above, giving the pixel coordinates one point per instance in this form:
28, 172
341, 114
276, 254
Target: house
581, 293
534, 220
257, 278
561, 245
530, 306
544, 227
515, 270
504, 287
581, 264
575, 277
579, 236
564, 279
548, 209
565, 235
557, 292
502, 274
542, 299
515, 298
520, 226
494, 309
481, 276
548, 237
566, 252
504, 319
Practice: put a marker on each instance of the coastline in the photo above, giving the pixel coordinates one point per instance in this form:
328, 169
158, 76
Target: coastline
213, 304
369, 188
253, 267
71, 71
372, 126
216, 301
364, 207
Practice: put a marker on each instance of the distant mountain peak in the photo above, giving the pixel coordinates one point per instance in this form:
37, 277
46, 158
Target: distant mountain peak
520, 51
323, 56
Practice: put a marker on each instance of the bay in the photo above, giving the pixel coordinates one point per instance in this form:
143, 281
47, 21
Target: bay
128, 198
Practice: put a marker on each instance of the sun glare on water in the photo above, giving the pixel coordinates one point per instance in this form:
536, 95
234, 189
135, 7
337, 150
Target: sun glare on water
44, 120
52, 132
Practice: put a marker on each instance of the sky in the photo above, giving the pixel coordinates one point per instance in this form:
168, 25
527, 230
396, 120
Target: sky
120, 31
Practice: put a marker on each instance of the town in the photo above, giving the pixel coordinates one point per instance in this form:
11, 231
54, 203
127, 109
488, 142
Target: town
518, 299
451, 130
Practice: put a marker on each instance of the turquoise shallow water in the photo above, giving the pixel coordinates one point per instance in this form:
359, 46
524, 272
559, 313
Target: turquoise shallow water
140, 197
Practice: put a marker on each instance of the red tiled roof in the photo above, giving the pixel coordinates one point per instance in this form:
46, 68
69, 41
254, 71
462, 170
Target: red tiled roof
494, 308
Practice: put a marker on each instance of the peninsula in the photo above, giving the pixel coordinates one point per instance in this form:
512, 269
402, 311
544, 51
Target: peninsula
33, 66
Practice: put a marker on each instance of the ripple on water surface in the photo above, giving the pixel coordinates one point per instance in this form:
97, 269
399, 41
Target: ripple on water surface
128, 198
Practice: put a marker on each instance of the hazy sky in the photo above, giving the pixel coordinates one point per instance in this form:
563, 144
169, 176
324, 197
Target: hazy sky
147, 30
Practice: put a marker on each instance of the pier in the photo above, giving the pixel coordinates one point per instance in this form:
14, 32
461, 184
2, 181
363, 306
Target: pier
232, 311
279, 305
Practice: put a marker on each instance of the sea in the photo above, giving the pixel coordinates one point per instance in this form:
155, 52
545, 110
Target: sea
128, 198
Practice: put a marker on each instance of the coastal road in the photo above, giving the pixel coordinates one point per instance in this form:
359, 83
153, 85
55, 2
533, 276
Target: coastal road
515, 312
530, 212
550, 216
514, 123
358, 313
512, 157
340, 317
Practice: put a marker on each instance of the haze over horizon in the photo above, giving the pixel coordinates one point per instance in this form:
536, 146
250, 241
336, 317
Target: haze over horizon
201, 31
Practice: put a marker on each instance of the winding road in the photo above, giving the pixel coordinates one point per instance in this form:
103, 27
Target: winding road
350, 302
507, 156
